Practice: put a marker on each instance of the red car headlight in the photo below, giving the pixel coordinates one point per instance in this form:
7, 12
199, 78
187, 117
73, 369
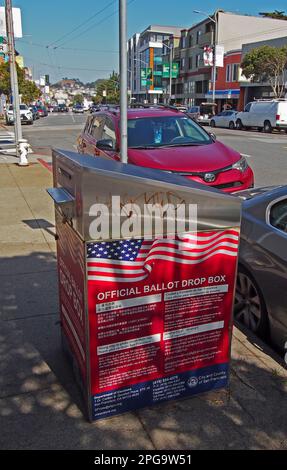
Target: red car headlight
241, 165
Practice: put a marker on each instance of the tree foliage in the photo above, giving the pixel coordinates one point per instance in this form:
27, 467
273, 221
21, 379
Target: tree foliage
266, 64
276, 15
111, 87
29, 91
78, 99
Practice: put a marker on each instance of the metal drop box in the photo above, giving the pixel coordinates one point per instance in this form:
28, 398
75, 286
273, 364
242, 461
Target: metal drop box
146, 310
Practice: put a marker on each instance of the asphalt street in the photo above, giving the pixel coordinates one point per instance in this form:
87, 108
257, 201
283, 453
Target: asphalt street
266, 153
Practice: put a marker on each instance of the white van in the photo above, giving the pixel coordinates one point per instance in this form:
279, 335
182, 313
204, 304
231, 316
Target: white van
263, 114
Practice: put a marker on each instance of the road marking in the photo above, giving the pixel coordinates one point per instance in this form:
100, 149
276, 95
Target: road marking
47, 165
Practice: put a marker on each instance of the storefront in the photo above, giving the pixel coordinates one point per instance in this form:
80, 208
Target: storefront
225, 99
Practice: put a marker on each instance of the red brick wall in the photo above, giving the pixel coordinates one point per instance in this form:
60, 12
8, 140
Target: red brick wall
221, 84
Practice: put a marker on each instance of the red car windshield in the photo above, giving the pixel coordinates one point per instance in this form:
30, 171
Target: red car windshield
165, 131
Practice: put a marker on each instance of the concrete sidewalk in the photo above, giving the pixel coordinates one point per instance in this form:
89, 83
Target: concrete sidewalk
40, 406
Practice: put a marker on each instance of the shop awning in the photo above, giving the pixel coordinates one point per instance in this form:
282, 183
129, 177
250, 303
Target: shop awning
223, 94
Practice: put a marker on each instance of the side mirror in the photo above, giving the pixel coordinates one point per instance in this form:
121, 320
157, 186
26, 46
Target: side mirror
105, 144
213, 136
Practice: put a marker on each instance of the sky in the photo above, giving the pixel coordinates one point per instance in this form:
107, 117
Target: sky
79, 39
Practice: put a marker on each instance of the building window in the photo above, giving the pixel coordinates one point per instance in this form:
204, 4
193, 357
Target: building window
182, 63
198, 34
190, 40
198, 87
235, 72
197, 60
190, 63
228, 73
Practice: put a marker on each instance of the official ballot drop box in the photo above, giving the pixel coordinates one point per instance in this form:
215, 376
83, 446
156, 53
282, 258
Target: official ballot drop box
146, 311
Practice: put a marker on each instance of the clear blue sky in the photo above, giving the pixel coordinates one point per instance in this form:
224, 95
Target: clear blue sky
46, 22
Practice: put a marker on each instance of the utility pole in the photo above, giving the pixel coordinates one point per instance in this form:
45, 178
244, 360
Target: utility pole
21, 144
13, 71
214, 59
123, 80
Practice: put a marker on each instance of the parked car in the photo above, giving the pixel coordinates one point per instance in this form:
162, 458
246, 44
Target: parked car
25, 115
62, 108
169, 140
94, 108
261, 294
42, 110
203, 113
34, 112
264, 115
224, 119
78, 108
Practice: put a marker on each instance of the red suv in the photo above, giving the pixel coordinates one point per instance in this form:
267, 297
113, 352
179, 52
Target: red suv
169, 140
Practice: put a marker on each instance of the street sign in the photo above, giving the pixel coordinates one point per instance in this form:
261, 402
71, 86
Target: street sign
17, 23
174, 70
165, 70
3, 48
146, 76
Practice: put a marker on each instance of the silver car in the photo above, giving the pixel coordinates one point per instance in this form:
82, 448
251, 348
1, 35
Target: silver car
224, 119
261, 291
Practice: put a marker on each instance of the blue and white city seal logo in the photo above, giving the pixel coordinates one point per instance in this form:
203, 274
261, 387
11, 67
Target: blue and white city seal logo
192, 382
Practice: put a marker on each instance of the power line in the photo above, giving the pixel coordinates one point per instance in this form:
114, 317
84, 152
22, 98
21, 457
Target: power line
92, 26
82, 24
69, 68
73, 49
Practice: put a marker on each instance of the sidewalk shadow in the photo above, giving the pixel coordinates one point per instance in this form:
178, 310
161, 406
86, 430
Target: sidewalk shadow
265, 346
38, 413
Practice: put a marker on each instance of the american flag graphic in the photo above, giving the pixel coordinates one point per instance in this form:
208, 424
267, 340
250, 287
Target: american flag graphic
133, 260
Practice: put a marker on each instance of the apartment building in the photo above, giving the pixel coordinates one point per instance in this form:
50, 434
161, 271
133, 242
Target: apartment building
145, 59
194, 83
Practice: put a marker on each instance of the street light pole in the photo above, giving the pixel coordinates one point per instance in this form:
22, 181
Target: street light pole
13, 73
170, 68
214, 62
123, 80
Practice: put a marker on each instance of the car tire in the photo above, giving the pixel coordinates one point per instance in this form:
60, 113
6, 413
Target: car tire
231, 125
267, 127
249, 305
212, 123
239, 124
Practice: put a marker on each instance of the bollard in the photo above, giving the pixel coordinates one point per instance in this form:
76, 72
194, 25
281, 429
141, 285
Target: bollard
22, 151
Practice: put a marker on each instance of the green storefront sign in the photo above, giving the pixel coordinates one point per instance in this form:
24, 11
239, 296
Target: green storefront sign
174, 70
146, 76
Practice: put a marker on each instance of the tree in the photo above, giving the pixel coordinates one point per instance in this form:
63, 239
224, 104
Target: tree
266, 64
276, 15
78, 99
111, 87
29, 91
